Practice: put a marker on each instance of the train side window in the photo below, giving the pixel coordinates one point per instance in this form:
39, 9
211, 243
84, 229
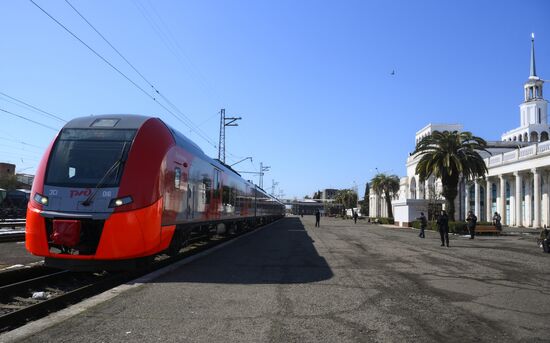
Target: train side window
207, 187
177, 178
216, 184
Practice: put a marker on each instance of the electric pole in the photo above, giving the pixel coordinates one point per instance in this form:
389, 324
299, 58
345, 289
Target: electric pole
262, 170
223, 123
273, 185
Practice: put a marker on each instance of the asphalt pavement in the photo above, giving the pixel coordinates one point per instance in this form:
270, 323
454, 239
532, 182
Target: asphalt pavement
342, 282
14, 254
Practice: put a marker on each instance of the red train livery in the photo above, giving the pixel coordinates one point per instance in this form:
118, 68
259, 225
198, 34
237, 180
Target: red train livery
114, 190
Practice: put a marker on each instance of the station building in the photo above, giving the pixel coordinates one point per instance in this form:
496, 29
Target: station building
517, 184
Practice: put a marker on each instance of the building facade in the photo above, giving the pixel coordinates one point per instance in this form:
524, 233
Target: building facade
517, 184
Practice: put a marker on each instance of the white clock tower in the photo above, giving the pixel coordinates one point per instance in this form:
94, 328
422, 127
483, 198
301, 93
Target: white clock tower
533, 109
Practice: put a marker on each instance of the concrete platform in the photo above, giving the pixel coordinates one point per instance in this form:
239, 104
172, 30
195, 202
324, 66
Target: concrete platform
342, 282
14, 254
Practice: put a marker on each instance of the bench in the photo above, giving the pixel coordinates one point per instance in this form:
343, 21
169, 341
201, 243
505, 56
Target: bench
487, 229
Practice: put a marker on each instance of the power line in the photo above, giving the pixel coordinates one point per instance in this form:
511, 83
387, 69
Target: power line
21, 142
34, 107
171, 43
118, 71
27, 119
20, 148
190, 122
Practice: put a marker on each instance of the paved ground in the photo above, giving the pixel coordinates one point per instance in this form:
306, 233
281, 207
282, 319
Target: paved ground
14, 253
340, 283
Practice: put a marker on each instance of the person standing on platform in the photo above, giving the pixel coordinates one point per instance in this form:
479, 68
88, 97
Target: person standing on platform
317, 218
496, 221
423, 224
443, 227
472, 221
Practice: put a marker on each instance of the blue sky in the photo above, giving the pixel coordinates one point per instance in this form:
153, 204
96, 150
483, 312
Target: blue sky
311, 79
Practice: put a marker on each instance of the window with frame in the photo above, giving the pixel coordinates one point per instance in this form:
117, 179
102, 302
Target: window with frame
177, 178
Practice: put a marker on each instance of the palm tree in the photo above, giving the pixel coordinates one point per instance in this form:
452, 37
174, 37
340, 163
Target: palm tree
388, 185
448, 155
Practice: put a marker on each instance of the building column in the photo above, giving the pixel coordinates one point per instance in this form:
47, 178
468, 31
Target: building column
536, 192
519, 215
466, 199
477, 200
488, 203
502, 207
546, 198
527, 199
418, 188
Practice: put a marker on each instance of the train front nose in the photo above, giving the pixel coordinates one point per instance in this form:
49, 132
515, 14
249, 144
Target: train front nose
112, 236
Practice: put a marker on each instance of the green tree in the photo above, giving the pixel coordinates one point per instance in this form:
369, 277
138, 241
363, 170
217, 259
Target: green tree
317, 195
346, 197
448, 155
9, 182
387, 185
366, 200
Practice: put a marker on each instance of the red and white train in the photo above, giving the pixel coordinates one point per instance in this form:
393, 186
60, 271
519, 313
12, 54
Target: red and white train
115, 190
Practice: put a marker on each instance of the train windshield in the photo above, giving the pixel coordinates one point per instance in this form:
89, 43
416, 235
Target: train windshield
88, 157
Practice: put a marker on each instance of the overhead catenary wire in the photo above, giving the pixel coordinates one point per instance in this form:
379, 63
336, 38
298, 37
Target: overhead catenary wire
120, 72
168, 39
34, 107
153, 87
22, 142
27, 119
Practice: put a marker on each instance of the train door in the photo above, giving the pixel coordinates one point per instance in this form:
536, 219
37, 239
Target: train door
179, 198
216, 193
190, 201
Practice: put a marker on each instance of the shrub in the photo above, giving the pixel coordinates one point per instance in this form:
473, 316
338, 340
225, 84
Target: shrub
454, 227
431, 225
458, 227
384, 220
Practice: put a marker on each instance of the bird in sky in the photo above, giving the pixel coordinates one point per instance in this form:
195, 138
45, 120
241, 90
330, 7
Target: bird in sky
392, 72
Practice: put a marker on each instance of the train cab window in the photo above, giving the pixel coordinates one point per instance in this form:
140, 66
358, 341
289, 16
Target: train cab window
88, 157
177, 178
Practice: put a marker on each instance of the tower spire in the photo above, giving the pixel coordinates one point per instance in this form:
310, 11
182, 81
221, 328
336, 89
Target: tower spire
532, 71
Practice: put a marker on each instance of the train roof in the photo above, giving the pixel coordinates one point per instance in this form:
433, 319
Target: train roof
105, 121
135, 121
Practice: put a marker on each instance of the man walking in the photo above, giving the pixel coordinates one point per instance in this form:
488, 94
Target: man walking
355, 215
472, 221
443, 227
317, 218
423, 224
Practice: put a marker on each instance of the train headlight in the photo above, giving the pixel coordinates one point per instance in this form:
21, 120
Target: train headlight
121, 201
41, 199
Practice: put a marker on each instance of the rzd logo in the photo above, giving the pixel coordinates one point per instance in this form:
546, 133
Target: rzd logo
78, 193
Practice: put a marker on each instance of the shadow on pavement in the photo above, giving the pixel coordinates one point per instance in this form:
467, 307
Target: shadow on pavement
280, 253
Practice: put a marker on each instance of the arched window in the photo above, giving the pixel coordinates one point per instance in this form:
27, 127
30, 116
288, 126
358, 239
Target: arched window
413, 188
534, 136
543, 136
515, 138
525, 137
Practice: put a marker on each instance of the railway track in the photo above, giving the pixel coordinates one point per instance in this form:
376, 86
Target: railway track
32, 293
12, 230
